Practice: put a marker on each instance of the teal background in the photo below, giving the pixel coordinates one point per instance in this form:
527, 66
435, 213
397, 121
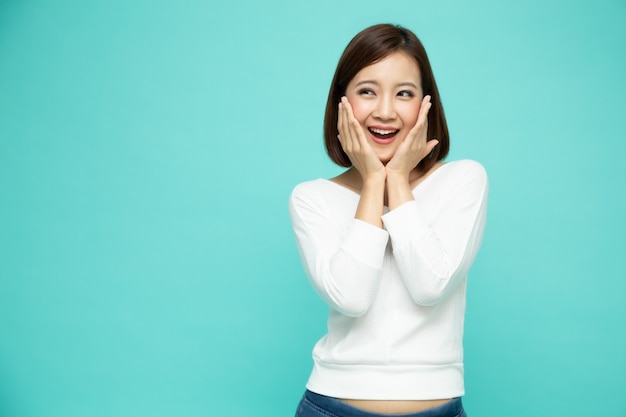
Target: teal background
147, 152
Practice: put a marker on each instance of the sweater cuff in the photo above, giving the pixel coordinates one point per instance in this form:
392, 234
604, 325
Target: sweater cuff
405, 223
366, 242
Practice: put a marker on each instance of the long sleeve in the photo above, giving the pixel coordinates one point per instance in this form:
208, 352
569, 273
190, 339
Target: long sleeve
342, 256
434, 247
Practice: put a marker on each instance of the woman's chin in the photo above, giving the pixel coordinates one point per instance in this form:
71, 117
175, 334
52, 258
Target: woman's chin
385, 154
384, 158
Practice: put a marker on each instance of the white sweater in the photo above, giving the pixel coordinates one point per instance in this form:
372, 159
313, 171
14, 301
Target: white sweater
396, 295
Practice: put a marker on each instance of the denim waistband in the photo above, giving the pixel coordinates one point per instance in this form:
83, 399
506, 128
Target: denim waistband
452, 408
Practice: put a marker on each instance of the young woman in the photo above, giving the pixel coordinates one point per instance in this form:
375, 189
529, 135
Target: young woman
389, 242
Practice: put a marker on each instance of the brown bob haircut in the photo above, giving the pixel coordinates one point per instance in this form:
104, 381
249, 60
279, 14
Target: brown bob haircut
366, 48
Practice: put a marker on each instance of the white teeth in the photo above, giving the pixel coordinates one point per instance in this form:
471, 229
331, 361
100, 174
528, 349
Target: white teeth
382, 132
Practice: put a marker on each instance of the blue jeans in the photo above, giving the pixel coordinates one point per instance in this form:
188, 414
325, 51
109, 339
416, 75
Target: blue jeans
316, 405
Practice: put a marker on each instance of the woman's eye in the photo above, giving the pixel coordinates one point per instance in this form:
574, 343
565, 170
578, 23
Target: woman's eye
366, 92
406, 93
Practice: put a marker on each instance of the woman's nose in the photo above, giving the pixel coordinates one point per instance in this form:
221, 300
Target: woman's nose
385, 109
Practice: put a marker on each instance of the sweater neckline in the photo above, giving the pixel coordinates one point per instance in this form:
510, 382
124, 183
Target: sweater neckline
427, 179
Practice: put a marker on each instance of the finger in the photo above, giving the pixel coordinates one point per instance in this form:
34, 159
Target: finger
341, 121
425, 106
422, 119
339, 118
347, 112
352, 126
345, 130
345, 125
430, 145
355, 127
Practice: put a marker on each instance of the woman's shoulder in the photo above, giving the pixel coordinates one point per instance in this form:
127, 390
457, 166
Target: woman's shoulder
454, 176
465, 165
323, 194
313, 189
322, 186
463, 168
320, 196
310, 187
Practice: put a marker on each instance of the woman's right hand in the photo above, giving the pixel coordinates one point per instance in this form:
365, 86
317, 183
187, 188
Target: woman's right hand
355, 145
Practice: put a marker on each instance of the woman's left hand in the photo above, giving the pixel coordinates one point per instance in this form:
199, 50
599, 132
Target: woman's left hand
415, 146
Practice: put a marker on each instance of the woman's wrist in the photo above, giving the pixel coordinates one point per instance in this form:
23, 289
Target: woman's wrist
370, 208
374, 179
398, 189
375, 176
397, 177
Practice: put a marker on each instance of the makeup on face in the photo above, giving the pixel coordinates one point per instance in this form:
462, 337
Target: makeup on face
385, 98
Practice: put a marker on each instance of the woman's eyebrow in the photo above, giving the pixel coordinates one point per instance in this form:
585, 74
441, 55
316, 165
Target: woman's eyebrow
403, 84
407, 83
366, 82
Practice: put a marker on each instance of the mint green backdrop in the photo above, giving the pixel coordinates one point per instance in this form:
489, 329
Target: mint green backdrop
147, 152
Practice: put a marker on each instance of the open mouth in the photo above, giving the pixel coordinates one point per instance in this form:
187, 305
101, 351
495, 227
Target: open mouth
383, 134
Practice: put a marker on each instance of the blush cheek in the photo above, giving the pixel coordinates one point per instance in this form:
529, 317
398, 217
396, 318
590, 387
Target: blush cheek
412, 116
361, 107
359, 110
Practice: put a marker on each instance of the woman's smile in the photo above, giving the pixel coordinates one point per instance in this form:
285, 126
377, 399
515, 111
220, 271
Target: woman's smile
383, 135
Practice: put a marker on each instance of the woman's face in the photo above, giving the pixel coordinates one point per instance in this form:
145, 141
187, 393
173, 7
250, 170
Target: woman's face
385, 98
